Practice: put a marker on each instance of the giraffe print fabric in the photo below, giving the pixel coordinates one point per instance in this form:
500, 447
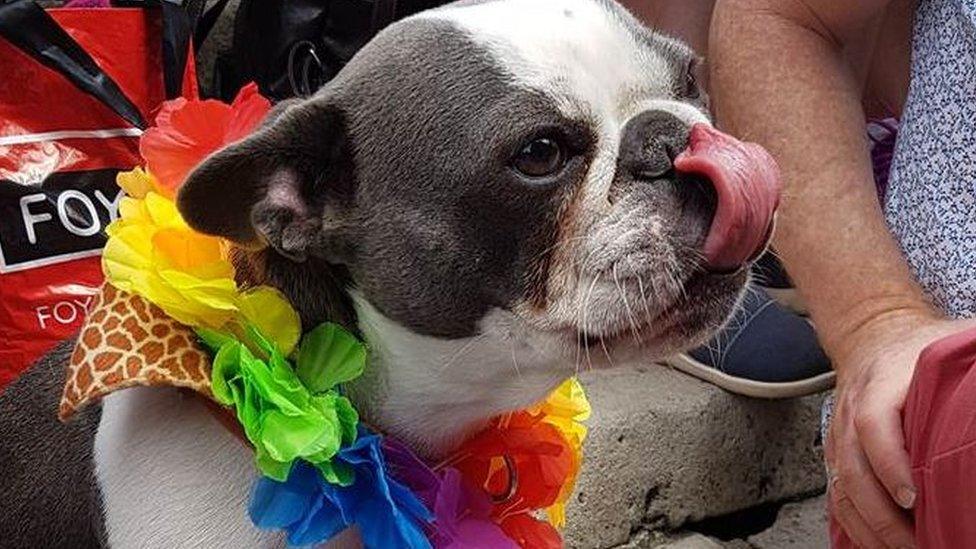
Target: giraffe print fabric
128, 342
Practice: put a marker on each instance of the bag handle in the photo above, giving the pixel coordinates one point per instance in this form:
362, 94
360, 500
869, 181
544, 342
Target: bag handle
32, 30
383, 13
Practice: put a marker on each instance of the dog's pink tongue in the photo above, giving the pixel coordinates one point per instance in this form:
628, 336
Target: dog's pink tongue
747, 184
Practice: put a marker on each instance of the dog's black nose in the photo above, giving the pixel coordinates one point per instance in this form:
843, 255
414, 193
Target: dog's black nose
650, 143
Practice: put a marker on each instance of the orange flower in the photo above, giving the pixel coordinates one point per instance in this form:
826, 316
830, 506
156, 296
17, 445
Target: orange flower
151, 250
187, 131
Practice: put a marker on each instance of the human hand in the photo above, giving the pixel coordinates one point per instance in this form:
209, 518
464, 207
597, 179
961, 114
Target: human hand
871, 485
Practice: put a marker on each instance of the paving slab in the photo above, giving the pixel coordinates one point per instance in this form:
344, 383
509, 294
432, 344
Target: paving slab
665, 449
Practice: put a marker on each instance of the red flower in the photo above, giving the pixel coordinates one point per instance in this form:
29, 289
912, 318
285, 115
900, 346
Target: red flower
531, 533
540, 454
543, 462
188, 130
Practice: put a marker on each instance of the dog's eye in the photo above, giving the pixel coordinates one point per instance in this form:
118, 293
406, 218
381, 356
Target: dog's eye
540, 157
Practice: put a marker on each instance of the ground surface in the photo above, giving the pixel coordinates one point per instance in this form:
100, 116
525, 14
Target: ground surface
668, 453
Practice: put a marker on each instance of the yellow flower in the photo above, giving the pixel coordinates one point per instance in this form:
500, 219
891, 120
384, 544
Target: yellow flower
137, 183
152, 252
565, 409
273, 316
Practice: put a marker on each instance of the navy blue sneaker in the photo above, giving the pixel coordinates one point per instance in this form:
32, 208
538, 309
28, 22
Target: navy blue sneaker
764, 351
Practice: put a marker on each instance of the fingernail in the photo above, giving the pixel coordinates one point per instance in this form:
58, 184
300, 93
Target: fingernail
906, 497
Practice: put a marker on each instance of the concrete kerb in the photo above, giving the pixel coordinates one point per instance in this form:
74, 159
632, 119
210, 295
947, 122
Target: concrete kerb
665, 449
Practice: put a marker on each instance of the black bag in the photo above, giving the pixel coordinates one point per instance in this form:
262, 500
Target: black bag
292, 47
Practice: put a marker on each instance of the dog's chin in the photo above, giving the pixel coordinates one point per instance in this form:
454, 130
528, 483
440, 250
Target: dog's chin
706, 303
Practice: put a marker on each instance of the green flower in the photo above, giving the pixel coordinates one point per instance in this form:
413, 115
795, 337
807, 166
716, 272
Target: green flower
282, 418
329, 356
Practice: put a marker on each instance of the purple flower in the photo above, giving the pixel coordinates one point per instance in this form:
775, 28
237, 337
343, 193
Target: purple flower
462, 514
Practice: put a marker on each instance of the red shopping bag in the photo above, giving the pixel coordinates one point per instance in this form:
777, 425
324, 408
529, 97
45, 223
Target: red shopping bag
71, 109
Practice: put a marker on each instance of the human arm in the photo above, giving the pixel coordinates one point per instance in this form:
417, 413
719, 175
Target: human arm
779, 77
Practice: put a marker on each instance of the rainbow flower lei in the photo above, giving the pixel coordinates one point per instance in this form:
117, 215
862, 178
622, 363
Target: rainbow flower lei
322, 469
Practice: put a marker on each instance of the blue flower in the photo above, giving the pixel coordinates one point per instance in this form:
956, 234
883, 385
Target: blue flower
312, 511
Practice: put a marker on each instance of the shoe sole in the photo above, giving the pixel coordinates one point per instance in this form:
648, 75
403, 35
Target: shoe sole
749, 387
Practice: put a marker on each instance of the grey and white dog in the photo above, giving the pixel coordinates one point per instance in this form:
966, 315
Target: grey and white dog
488, 194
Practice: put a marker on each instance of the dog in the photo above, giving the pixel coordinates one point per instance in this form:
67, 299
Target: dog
488, 194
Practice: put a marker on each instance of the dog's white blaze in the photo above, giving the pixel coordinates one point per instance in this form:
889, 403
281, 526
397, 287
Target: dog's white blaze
577, 51
686, 112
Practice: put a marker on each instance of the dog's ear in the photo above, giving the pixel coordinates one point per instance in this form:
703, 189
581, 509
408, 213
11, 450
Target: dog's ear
273, 187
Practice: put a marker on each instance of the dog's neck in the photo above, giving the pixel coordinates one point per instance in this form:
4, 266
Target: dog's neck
429, 393
432, 393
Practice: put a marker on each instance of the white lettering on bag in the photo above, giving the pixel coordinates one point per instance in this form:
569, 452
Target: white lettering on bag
111, 205
31, 219
66, 220
62, 312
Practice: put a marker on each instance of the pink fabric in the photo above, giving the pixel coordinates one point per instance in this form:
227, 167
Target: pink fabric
940, 432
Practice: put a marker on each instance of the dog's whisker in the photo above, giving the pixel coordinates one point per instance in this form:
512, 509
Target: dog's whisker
460, 352
589, 257
603, 344
518, 372
676, 283
630, 312
640, 286
648, 317
581, 341
576, 369
586, 304
662, 299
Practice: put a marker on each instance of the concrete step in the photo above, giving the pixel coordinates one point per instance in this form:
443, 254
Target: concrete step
665, 449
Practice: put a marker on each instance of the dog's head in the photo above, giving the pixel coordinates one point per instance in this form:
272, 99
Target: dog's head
504, 170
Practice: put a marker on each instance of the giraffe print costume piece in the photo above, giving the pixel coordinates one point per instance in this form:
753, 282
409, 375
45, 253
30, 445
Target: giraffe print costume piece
128, 342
